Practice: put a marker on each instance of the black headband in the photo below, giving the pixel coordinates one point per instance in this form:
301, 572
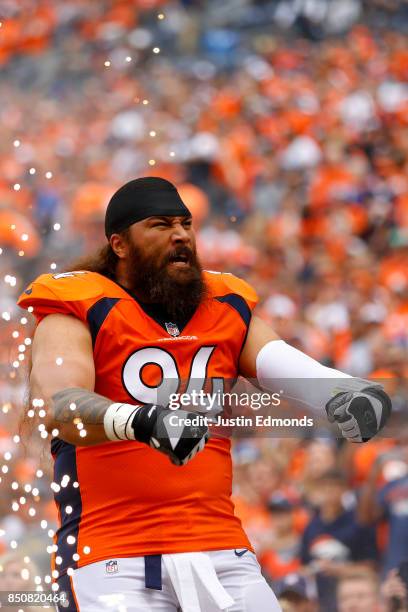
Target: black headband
142, 198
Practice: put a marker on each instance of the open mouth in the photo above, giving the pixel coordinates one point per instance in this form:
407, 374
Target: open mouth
179, 261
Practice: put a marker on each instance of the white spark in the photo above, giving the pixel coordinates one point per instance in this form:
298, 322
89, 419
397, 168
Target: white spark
48, 175
65, 480
57, 227
16, 186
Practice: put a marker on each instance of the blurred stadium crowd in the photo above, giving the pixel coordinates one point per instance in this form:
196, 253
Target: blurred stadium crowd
285, 124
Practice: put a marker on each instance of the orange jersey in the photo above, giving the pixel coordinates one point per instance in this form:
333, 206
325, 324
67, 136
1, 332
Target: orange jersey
130, 500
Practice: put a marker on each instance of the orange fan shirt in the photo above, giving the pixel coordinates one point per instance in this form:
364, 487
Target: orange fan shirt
125, 499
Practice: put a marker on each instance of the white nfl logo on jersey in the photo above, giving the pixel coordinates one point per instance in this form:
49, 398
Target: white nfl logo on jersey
111, 567
172, 329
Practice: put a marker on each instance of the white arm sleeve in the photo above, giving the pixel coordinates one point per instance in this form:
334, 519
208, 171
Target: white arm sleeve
281, 367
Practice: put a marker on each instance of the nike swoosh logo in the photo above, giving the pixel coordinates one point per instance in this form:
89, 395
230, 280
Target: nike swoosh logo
240, 553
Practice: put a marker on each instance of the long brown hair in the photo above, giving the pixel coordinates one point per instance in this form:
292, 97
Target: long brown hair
104, 261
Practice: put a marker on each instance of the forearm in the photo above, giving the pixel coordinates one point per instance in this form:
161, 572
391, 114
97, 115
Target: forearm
79, 415
281, 367
148, 423
69, 432
82, 426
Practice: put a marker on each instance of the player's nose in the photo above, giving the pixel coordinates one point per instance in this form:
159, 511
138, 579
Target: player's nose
180, 235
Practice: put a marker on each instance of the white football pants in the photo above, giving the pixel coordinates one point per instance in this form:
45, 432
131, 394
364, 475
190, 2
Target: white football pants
215, 581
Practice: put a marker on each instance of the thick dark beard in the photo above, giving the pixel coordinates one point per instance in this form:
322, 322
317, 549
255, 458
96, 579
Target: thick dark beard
179, 294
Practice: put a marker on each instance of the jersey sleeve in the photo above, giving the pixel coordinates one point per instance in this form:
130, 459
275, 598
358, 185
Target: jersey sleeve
223, 284
242, 288
71, 293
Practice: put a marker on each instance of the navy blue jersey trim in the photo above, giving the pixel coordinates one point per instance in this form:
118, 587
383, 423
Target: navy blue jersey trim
65, 586
67, 497
98, 313
239, 304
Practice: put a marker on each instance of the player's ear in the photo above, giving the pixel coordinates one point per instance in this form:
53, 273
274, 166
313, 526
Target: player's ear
119, 245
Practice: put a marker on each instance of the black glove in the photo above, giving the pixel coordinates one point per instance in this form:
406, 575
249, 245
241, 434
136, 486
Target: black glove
164, 430
361, 412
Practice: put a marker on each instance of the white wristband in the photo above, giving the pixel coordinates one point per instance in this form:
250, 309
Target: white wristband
117, 422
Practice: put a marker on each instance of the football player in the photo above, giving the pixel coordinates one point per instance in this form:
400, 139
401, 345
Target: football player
146, 517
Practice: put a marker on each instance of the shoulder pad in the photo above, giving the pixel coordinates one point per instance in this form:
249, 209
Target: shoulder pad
224, 283
67, 293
